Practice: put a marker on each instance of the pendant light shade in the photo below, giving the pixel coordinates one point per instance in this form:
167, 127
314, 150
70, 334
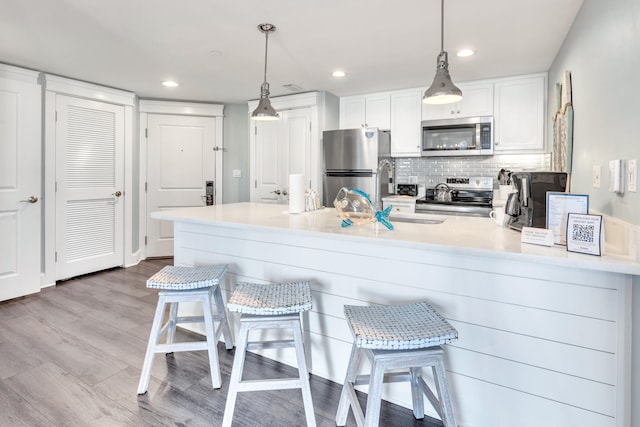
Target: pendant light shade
265, 111
442, 90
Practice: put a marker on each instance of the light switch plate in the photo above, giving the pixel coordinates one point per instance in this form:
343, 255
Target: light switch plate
597, 172
616, 176
237, 173
632, 175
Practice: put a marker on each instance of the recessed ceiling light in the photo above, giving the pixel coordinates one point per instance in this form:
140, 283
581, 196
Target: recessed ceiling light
465, 52
170, 83
338, 73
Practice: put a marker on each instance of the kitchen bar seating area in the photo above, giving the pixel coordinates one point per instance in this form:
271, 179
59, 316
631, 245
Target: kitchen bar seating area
86, 357
405, 337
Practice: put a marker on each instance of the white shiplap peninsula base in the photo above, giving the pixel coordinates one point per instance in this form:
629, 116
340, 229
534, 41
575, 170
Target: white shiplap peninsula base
545, 335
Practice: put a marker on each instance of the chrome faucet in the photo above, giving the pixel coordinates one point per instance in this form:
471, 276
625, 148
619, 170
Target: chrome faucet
384, 163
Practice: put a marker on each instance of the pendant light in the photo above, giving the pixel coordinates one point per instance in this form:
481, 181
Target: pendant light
265, 111
442, 90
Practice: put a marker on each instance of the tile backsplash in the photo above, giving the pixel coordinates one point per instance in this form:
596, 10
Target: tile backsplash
412, 170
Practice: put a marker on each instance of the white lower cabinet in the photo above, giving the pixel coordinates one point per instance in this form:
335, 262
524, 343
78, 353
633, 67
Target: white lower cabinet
291, 145
405, 123
519, 113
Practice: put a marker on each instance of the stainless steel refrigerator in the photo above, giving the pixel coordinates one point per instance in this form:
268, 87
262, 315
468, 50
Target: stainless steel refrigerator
351, 158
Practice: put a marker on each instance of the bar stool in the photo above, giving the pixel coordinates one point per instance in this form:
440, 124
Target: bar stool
270, 306
187, 284
406, 337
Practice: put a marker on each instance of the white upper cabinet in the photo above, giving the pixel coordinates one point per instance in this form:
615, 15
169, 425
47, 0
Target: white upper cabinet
519, 113
477, 100
406, 111
365, 111
516, 103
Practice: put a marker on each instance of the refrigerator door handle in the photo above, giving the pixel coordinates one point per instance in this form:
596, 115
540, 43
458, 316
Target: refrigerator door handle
355, 173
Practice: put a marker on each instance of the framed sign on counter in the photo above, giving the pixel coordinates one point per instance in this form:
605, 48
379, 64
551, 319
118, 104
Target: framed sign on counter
559, 205
585, 234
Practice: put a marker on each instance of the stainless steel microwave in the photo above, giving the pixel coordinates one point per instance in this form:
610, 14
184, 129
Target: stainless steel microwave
470, 136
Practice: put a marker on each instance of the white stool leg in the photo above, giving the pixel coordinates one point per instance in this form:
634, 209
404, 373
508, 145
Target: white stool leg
236, 374
303, 372
223, 318
145, 375
448, 418
372, 416
416, 393
212, 344
348, 391
171, 327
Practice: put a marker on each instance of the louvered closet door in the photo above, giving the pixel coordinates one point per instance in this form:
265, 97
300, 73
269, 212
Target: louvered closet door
89, 181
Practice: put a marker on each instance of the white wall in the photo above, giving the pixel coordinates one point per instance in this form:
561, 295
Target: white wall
602, 52
236, 153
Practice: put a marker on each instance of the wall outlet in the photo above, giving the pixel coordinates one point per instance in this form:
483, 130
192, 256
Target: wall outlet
237, 173
595, 177
632, 175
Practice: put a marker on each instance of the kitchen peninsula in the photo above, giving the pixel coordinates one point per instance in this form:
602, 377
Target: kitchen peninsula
545, 335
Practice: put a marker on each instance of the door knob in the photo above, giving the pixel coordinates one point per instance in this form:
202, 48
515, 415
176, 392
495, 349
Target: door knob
117, 193
31, 199
277, 192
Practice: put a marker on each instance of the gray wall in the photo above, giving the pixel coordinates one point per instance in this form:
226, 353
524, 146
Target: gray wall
236, 153
602, 52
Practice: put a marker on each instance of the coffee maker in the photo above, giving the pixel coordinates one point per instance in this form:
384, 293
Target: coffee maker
528, 205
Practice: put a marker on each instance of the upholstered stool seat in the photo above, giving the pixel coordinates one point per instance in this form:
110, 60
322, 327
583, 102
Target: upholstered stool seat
269, 306
401, 337
187, 284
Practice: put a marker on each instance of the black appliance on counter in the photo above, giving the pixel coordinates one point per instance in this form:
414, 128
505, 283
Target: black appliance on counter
470, 196
528, 205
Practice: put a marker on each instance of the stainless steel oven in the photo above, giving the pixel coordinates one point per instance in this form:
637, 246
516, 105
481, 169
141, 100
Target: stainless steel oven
470, 196
471, 136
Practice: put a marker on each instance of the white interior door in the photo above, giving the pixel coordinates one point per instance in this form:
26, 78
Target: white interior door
181, 158
20, 182
281, 148
89, 186
268, 151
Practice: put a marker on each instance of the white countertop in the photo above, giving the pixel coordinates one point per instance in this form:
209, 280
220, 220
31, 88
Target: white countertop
458, 234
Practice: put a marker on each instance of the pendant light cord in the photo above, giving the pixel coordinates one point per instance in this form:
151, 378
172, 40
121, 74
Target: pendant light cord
441, 25
266, 48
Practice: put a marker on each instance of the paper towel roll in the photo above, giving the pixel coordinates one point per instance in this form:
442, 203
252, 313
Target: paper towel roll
296, 193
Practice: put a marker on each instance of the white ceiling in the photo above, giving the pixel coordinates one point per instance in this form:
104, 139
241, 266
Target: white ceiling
381, 44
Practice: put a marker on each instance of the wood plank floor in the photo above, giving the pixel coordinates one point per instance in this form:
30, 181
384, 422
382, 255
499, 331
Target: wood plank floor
71, 356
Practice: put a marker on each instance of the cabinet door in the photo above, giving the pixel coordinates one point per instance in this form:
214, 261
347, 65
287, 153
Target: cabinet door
378, 110
405, 123
519, 114
365, 111
281, 148
477, 100
352, 112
